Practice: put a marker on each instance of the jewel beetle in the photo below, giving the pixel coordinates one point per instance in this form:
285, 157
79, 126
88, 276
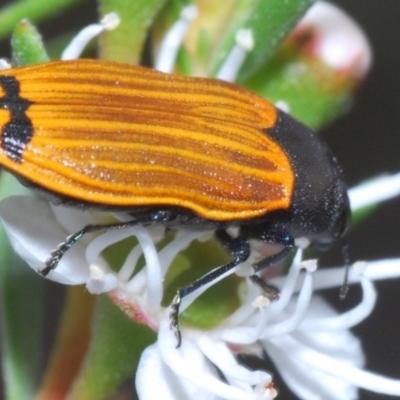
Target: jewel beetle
192, 153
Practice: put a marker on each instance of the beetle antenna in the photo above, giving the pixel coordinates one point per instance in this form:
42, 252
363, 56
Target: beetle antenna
346, 256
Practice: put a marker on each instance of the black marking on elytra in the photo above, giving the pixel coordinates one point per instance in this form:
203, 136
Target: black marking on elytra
18, 132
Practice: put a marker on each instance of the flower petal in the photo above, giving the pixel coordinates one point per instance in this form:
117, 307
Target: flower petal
189, 363
155, 380
297, 366
34, 232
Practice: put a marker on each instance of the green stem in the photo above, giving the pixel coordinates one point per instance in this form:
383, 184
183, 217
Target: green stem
35, 10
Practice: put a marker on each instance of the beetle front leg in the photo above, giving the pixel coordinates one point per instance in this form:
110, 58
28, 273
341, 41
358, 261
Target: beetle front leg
239, 248
160, 216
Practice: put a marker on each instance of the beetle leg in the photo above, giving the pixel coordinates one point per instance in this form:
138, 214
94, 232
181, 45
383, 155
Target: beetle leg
239, 248
286, 240
275, 236
270, 291
56, 255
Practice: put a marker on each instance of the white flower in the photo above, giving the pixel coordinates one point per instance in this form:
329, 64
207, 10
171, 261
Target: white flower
310, 343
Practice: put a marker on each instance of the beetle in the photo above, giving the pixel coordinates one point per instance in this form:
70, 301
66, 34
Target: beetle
194, 153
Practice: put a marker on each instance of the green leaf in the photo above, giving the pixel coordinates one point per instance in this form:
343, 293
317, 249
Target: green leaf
314, 92
22, 322
27, 45
270, 22
21, 313
35, 10
125, 44
211, 36
114, 352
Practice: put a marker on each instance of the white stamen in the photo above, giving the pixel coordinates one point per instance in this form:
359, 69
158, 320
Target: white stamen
261, 302
81, 40
96, 272
245, 311
110, 21
138, 283
302, 242
100, 281
374, 191
252, 331
360, 267
166, 256
234, 60
266, 391
153, 270
289, 285
173, 40
333, 277
382, 269
220, 355
154, 279
283, 105
245, 39
129, 266
292, 322
310, 265
339, 369
205, 236
181, 242
249, 333
4, 64
100, 243
157, 232
347, 320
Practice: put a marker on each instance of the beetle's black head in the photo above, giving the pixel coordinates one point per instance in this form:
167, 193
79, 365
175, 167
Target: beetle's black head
332, 218
319, 208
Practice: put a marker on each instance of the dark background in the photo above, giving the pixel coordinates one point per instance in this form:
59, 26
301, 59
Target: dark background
367, 143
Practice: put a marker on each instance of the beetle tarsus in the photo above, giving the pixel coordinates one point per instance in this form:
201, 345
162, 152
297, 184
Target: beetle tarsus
174, 319
270, 291
56, 255
52, 262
